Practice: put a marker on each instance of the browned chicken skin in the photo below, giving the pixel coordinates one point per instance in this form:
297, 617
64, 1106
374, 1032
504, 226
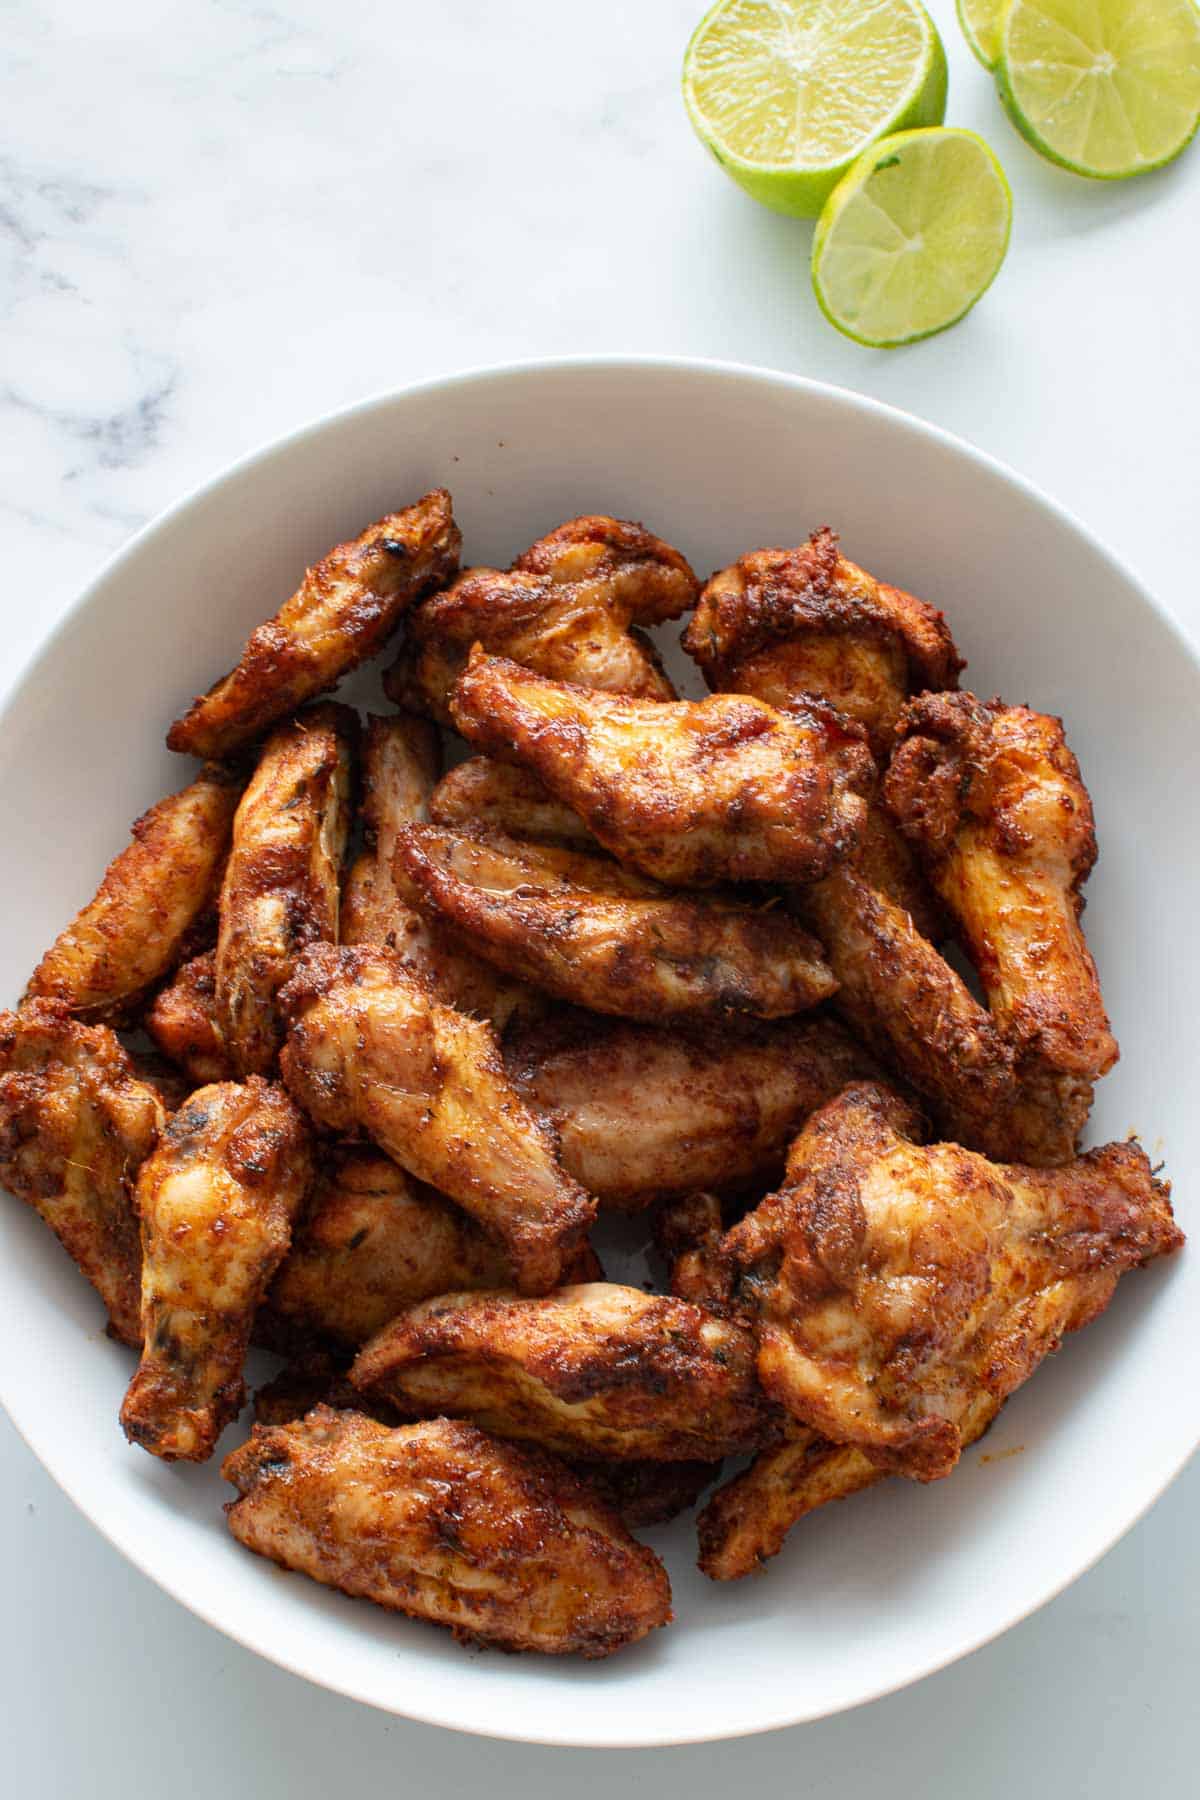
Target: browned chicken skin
691, 793
599, 1371
569, 608
343, 612
280, 891
502, 1544
892, 1284
508, 799
183, 1022
370, 1049
647, 954
644, 1113
217, 1199
75, 1126
133, 931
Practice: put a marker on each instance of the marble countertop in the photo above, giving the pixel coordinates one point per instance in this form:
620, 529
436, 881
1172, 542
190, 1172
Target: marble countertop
220, 219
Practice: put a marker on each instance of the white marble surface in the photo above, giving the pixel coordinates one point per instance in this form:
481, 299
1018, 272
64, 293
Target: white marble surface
220, 219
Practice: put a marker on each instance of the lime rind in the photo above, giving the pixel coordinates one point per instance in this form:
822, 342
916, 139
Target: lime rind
903, 240
793, 98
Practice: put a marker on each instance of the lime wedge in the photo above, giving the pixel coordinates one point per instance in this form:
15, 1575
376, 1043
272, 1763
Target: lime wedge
912, 237
1107, 88
786, 93
980, 21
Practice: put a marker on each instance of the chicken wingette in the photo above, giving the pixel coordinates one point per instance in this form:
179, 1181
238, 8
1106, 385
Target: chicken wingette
183, 1022
502, 1544
216, 1201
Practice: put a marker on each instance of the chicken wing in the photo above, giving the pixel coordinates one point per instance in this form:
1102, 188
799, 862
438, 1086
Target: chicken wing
280, 891
503, 1545
643, 1114
779, 623
599, 1371
507, 799
133, 931
891, 1284
75, 1126
315, 1379
691, 792
992, 798
641, 955
183, 1022
689, 1234
569, 608
217, 1199
343, 612
370, 1049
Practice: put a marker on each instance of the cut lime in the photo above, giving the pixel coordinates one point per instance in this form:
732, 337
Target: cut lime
980, 21
786, 93
912, 237
1108, 88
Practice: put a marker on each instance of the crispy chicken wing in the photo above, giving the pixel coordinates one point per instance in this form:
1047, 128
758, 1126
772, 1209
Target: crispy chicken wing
892, 1283
343, 612
644, 1113
183, 1022
569, 608
133, 931
280, 891
507, 799
75, 1126
689, 1235
315, 1378
502, 1544
217, 1199
992, 797
371, 1049
643, 955
692, 792
598, 1371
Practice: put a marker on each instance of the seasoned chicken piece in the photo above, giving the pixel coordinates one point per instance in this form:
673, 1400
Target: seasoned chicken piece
504, 1545
75, 1126
133, 931
648, 1493
569, 608
641, 955
992, 798
217, 1199
507, 799
779, 623
691, 792
642, 1114
373, 1242
599, 1371
280, 891
342, 613
183, 1022
893, 1284
370, 1049
315, 1379
689, 1235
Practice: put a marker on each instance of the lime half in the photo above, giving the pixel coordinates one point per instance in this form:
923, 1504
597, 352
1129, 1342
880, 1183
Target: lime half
786, 93
1108, 88
980, 21
912, 237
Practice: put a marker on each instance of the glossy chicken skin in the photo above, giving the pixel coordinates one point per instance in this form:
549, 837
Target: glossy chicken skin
892, 1284
643, 1113
280, 891
992, 798
599, 1371
216, 1199
133, 931
647, 955
507, 799
570, 608
371, 1050
75, 1126
504, 1545
343, 612
689, 792
183, 1022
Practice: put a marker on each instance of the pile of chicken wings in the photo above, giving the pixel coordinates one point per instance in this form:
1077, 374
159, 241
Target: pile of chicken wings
347, 1053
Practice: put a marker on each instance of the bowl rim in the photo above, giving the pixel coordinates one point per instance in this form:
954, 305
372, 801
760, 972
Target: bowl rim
27, 671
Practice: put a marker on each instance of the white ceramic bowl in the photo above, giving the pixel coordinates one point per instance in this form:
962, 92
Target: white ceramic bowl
898, 1582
